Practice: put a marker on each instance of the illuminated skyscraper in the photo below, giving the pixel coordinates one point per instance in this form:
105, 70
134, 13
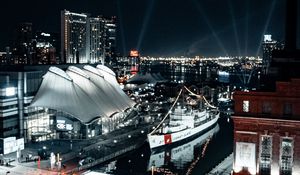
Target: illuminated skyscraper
102, 40
110, 43
87, 40
97, 40
75, 36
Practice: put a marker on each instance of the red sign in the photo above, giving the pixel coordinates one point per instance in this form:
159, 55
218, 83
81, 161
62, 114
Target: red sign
134, 53
168, 139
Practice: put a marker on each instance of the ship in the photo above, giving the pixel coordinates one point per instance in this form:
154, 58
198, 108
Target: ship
183, 122
182, 154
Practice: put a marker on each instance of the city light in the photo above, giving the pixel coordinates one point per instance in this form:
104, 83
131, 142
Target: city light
10, 91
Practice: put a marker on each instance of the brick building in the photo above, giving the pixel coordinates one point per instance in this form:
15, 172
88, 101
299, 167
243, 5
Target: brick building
267, 131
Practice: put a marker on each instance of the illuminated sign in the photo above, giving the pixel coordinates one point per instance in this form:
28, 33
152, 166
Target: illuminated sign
62, 125
267, 38
134, 53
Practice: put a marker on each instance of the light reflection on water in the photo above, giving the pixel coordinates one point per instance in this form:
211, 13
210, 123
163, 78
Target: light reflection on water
181, 156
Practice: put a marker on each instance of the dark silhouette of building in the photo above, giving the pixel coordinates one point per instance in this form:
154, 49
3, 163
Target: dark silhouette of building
285, 63
269, 45
23, 49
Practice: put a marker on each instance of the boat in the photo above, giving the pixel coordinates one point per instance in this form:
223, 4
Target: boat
182, 154
184, 122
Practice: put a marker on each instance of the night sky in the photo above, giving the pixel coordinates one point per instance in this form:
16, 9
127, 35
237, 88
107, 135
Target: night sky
163, 27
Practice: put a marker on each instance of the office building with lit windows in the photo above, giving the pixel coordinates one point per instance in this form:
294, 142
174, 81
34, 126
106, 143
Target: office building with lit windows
75, 37
86, 39
23, 48
269, 45
97, 40
110, 39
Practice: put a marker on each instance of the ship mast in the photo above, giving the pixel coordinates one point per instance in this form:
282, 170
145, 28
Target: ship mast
200, 96
168, 113
170, 110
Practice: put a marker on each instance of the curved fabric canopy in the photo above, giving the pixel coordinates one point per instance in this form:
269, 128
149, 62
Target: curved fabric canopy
98, 79
78, 93
109, 76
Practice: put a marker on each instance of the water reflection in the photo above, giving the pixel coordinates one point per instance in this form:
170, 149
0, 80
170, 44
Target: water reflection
178, 159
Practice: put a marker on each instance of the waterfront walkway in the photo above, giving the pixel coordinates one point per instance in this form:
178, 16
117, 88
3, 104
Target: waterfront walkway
99, 150
224, 167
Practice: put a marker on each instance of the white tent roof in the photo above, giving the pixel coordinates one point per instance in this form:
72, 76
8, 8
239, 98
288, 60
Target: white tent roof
110, 77
78, 93
113, 96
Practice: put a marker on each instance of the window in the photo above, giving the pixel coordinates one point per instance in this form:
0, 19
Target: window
245, 106
286, 156
266, 108
265, 155
287, 109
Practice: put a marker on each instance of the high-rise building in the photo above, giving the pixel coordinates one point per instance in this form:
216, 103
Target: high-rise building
75, 37
97, 40
268, 46
22, 50
85, 39
111, 42
102, 40
46, 46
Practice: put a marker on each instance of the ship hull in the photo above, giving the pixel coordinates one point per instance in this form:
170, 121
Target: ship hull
156, 141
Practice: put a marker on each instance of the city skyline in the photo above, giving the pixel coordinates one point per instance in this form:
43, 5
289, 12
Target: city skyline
206, 28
